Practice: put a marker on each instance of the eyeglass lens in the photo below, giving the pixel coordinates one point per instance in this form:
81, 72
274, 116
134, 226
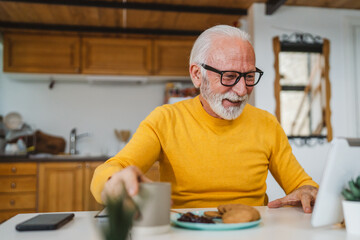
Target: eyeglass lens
230, 78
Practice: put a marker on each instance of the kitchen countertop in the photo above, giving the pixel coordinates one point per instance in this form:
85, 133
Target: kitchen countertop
50, 158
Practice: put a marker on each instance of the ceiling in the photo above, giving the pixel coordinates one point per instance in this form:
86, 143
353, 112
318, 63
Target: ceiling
169, 17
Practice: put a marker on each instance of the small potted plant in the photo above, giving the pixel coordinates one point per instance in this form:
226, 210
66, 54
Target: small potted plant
121, 211
351, 206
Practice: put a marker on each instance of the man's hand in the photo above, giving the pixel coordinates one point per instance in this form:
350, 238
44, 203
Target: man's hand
130, 176
304, 195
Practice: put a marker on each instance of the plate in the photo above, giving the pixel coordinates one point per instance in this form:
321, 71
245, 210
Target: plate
209, 226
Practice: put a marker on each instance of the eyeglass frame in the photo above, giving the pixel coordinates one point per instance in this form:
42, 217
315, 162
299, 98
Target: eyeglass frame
207, 67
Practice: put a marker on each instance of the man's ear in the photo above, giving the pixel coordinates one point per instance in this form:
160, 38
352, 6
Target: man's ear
195, 74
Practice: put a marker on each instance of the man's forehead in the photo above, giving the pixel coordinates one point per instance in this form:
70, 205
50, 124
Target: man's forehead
231, 50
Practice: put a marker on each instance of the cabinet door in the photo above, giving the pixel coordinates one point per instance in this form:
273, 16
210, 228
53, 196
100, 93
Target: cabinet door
116, 56
171, 57
41, 53
60, 187
90, 203
153, 173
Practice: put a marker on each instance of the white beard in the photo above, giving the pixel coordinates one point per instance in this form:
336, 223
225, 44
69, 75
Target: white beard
215, 101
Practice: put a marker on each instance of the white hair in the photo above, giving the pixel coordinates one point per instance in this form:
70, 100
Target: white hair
200, 49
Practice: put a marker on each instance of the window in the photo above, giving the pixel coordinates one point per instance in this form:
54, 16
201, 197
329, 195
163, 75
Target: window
302, 86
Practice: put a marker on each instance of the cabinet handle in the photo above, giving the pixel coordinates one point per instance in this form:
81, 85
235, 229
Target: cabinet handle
79, 166
12, 202
87, 165
13, 185
13, 169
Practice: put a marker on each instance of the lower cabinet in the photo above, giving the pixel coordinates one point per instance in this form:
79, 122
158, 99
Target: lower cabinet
90, 204
17, 189
65, 186
153, 173
50, 187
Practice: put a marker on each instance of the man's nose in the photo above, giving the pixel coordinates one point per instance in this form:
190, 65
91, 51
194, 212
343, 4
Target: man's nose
240, 88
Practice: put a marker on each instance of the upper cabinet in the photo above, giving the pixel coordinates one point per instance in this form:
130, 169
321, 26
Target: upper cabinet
41, 53
45, 53
116, 56
171, 57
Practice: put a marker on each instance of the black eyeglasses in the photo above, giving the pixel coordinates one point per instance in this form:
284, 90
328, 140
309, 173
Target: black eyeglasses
231, 78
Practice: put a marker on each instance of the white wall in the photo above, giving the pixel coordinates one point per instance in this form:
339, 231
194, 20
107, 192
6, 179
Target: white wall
328, 23
93, 108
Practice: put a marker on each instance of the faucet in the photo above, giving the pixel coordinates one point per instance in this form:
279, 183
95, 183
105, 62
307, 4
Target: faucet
73, 139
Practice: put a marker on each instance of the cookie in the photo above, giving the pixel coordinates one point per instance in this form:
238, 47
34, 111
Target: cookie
212, 214
228, 207
238, 213
238, 216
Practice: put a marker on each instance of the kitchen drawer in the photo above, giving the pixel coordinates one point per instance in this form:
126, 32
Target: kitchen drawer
17, 184
13, 169
14, 201
5, 215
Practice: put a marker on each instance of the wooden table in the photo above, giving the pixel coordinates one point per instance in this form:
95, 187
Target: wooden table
283, 223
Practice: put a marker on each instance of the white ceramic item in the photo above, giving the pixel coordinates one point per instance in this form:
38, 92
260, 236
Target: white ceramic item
13, 121
352, 216
154, 201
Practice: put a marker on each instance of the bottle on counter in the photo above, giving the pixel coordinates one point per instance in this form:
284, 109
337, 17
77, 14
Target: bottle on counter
21, 146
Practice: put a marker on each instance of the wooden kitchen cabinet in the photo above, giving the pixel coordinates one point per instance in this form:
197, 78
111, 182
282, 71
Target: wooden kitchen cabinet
18, 187
153, 173
65, 186
171, 57
50, 53
41, 53
60, 186
50, 186
116, 56
90, 203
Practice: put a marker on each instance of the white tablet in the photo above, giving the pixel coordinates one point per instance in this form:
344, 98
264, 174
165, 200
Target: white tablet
343, 163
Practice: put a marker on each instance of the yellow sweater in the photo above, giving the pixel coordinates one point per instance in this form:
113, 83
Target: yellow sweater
209, 161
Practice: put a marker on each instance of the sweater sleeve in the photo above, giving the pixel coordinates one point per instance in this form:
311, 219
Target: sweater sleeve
142, 151
283, 165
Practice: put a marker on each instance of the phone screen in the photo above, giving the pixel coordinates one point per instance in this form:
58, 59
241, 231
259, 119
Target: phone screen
45, 222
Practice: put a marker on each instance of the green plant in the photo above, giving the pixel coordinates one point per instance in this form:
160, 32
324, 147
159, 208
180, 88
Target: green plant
353, 192
121, 211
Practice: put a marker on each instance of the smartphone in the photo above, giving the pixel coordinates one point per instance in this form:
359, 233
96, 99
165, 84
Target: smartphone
49, 221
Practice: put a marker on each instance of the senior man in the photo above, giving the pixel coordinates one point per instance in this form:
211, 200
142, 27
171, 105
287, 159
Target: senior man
215, 148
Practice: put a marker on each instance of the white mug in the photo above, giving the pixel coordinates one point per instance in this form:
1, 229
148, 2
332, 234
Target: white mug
154, 203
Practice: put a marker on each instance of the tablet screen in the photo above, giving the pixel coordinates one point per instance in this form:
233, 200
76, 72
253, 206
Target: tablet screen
343, 163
